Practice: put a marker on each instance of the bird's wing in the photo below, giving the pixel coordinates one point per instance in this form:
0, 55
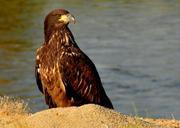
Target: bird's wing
81, 79
37, 74
69, 75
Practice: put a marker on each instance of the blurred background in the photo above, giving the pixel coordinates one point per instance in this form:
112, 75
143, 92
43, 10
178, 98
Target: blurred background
135, 45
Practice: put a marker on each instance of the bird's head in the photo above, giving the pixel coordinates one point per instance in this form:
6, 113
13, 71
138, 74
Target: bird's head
57, 19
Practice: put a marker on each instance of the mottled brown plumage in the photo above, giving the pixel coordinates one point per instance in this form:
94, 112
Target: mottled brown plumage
64, 74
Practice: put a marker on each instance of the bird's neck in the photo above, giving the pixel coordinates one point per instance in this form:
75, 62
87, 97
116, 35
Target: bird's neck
60, 35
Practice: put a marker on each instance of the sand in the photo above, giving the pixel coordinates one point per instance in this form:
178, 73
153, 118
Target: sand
11, 110
86, 116
13, 114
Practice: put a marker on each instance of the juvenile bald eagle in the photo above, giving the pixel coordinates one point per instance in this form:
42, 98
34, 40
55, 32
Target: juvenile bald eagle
64, 74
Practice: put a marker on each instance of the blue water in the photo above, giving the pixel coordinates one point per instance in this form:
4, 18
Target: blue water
135, 46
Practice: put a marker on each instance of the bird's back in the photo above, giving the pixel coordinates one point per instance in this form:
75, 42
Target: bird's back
67, 72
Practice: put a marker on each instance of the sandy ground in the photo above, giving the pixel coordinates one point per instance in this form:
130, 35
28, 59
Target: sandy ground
13, 114
87, 116
12, 110
165, 122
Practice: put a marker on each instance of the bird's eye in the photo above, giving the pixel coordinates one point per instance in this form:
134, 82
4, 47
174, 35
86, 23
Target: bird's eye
59, 16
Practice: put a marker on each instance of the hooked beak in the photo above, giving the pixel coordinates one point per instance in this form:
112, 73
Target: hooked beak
67, 18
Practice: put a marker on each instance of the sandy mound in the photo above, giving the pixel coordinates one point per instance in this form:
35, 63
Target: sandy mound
14, 114
87, 116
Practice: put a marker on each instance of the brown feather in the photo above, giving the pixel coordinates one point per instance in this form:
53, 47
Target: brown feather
65, 74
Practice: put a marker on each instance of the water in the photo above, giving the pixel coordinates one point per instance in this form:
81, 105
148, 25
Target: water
134, 44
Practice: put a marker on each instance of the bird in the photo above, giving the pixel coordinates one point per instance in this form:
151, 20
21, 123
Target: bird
64, 73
